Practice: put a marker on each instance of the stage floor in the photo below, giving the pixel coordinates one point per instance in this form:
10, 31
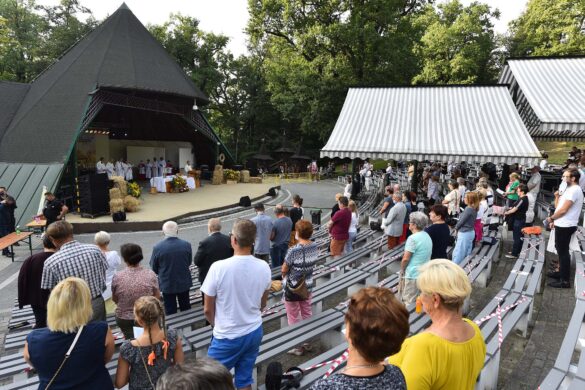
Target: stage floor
165, 206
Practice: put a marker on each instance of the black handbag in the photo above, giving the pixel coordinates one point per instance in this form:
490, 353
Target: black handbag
452, 220
298, 292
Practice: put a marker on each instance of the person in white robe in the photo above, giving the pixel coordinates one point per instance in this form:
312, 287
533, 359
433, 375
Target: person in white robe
100, 167
141, 170
148, 169
154, 167
119, 168
128, 174
188, 168
110, 169
162, 164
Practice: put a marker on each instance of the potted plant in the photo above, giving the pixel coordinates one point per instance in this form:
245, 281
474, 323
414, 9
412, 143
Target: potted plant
231, 176
179, 184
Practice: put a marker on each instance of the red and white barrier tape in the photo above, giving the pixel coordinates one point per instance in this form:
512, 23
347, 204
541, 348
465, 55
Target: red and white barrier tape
336, 363
498, 313
269, 310
325, 269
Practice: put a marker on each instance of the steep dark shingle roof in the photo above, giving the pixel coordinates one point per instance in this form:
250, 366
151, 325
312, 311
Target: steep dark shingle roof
120, 53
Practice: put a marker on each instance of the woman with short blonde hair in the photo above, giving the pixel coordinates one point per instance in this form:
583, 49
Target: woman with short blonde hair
92, 344
68, 307
450, 353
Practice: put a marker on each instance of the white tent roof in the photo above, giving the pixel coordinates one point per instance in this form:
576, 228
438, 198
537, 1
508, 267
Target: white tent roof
458, 123
554, 90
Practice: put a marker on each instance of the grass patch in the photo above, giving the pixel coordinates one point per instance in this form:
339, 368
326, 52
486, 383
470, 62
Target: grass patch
558, 152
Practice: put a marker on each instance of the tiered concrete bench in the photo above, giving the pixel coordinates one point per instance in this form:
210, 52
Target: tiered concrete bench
565, 373
518, 291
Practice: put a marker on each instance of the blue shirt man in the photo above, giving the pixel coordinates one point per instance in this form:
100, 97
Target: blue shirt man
280, 237
170, 260
263, 232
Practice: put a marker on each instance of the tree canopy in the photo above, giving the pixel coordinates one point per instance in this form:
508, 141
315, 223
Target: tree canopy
549, 27
304, 54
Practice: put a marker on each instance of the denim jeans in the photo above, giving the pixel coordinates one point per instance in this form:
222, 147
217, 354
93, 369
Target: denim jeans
562, 241
277, 253
464, 246
349, 242
517, 235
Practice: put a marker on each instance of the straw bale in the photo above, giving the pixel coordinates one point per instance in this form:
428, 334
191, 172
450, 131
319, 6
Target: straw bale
116, 205
131, 204
115, 193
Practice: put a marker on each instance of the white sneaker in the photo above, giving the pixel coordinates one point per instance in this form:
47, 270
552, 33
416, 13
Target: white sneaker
299, 351
307, 347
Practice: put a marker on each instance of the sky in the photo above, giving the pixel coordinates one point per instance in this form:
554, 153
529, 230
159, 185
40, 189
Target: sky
229, 17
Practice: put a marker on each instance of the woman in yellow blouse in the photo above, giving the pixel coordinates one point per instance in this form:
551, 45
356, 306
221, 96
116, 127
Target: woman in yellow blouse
451, 352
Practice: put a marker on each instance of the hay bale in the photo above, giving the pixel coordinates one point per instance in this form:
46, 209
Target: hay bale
116, 205
131, 204
115, 193
120, 184
245, 176
255, 180
217, 175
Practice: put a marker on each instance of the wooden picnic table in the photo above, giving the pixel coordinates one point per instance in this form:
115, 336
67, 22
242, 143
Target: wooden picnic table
41, 224
13, 238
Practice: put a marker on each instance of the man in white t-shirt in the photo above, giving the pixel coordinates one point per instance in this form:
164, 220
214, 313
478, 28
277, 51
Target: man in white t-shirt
564, 221
236, 291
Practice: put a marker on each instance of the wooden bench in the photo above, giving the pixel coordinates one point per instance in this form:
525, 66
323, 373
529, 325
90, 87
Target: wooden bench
564, 374
526, 277
37, 226
9, 240
514, 318
524, 281
200, 339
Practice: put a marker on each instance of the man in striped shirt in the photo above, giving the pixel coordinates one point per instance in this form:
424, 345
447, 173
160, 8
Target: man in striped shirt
75, 259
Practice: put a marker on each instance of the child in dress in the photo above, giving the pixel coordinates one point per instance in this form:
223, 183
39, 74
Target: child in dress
144, 359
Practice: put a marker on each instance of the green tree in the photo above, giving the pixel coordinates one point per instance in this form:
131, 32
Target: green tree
38, 35
458, 44
22, 58
549, 27
6, 41
314, 50
65, 27
194, 49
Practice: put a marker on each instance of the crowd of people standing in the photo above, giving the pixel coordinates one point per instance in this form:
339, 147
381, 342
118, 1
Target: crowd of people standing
72, 286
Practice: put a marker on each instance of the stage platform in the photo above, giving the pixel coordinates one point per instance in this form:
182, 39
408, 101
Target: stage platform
159, 208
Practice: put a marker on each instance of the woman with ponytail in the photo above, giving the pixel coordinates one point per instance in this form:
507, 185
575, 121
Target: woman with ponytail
143, 360
130, 284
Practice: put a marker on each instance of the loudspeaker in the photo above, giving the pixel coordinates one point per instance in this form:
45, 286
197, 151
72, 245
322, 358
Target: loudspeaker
273, 191
245, 201
92, 194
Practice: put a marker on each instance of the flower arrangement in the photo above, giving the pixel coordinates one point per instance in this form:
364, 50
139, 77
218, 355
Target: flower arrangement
134, 189
179, 184
230, 174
